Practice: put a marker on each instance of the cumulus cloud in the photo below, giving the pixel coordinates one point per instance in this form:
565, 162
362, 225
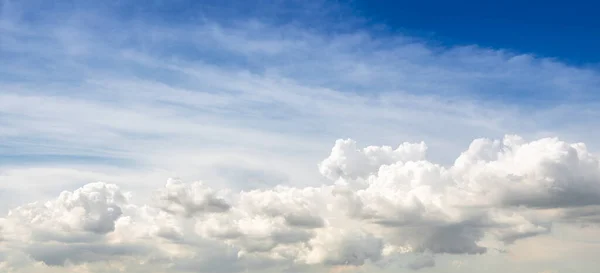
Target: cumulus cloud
347, 161
88, 211
191, 199
381, 202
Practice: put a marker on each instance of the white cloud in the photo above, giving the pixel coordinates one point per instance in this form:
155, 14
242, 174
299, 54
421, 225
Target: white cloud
347, 162
392, 205
91, 210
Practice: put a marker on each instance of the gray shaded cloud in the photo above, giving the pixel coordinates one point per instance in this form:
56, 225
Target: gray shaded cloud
190, 200
422, 262
78, 253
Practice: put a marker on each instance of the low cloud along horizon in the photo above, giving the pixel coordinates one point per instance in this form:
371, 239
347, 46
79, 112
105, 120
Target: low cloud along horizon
382, 203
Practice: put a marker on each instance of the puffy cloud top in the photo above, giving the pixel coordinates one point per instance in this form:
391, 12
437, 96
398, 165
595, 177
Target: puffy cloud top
191, 199
93, 208
346, 161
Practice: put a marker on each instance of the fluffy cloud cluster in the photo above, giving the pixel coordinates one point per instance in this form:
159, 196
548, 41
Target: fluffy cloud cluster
89, 211
381, 203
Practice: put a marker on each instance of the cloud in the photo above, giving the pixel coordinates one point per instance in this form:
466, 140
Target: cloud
61, 254
422, 262
91, 210
345, 161
392, 204
190, 199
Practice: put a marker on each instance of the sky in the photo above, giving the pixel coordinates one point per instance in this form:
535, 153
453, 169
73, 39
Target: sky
299, 136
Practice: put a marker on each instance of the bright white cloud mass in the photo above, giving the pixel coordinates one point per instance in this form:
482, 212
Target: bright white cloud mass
141, 146
380, 203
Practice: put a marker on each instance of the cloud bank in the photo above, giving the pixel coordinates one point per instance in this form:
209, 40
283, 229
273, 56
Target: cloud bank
249, 105
381, 203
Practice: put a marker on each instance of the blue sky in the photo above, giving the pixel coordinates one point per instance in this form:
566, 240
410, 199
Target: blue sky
563, 30
253, 95
553, 29
550, 32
